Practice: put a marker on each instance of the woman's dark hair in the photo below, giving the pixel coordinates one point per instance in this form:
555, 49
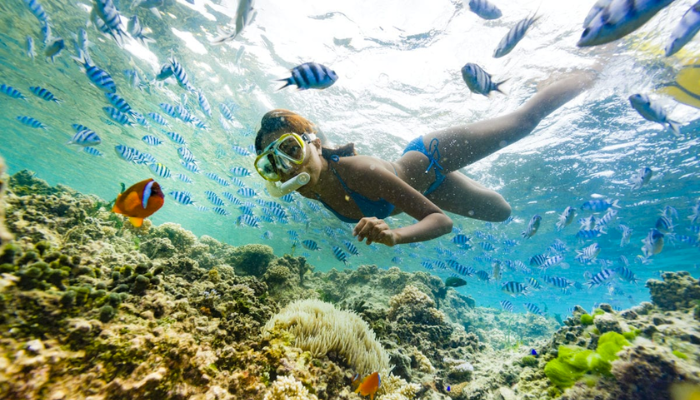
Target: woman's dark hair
278, 122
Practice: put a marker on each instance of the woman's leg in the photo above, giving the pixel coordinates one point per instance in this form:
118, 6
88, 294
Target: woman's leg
464, 145
460, 195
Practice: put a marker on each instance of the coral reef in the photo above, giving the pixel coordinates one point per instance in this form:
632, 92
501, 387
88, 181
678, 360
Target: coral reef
677, 291
5, 236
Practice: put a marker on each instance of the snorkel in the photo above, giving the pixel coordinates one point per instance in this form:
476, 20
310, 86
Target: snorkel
279, 189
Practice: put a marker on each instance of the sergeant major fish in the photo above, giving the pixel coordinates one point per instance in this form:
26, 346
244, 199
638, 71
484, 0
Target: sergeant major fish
653, 243
686, 29
484, 9
641, 178
97, 76
310, 75
566, 218
244, 17
514, 36
618, 19
653, 112
479, 81
532, 227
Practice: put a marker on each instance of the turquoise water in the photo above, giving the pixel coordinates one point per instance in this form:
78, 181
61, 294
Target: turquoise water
399, 74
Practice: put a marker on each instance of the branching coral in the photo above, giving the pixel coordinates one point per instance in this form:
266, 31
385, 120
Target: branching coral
288, 388
320, 328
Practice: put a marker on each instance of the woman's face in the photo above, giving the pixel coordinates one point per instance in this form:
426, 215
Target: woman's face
311, 164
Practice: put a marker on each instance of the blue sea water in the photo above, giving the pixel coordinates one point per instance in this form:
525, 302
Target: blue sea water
399, 66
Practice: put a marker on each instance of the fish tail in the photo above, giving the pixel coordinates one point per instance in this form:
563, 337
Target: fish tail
498, 86
288, 81
675, 127
81, 59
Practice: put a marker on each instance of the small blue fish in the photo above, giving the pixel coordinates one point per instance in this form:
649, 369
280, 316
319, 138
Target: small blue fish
618, 19
461, 269
117, 116
533, 353
340, 255
180, 75
251, 221
532, 227
127, 153
626, 274
351, 248
191, 166
514, 36
507, 305
246, 192
216, 178
183, 178
158, 119
532, 308
176, 137
484, 9
37, 10
119, 103
600, 278
85, 138
44, 94
653, 112
97, 76
140, 119
31, 51
184, 198
240, 171
566, 218
160, 170
310, 76
653, 243
108, 13
221, 211
686, 29
93, 151
151, 140
598, 205
12, 92
185, 154
203, 103
54, 48
514, 288
589, 253
479, 81
29, 121
214, 199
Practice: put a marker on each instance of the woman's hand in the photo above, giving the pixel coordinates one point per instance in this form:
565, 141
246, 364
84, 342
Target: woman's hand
375, 230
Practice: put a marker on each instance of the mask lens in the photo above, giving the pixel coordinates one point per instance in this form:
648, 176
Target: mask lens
292, 148
267, 168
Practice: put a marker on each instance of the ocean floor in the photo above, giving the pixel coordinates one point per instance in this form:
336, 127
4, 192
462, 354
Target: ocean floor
92, 308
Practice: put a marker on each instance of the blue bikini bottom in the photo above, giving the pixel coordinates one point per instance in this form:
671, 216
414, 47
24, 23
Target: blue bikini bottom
433, 155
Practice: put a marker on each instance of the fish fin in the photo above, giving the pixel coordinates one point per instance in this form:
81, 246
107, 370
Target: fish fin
675, 127
155, 12
136, 222
288, 82
498, 84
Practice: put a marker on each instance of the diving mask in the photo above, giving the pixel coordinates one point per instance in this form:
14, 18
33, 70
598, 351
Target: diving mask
282, 155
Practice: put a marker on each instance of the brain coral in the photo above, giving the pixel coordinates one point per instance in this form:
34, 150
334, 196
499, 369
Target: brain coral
320, 328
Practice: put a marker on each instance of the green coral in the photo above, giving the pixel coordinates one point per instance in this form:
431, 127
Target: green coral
529, 361
680, 355
574, 362
598, 311
586, 319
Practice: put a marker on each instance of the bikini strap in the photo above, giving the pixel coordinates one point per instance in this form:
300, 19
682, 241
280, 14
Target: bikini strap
335, 158
434, 155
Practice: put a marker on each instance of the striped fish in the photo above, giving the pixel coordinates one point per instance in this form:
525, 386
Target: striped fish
201, 208
587, 234
686, 29
93, 151
566, 218
127, 153
600, 278
31, 51
180, 74
461, 269
507, 305
351, 248
483, 275
221, 181
553, 261
151, 140
85, 137
310, 76
484, 9
168, 109
117, 116
145, 158
461, 240
532, 227
557, 281
240, 150
204, 103
38, 11
226, 112
160, 170
106, 10
140, 119
185, 154
245, 13
214, 199
183, 178
119, 103
12, 92
427, 265
97, 76
44, 94
240, 171
534, 283
514, 36
664, 224
248, 211
191, 166
176, 137
184, 198
183, 114
231, 198
514, 288
626, 274
251, 221
532, 308
246, 192
158, 119
31, 122
198, 123
605, 220
340, 255
221, 211
479, 81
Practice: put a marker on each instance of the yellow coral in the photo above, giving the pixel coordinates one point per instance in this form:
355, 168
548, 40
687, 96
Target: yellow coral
288, 388
395, 388
320, 328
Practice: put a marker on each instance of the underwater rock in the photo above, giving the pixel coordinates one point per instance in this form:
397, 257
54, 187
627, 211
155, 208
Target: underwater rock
677, 291
252, 259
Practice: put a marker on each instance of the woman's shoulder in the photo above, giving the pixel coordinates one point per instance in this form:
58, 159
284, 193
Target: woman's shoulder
362, 167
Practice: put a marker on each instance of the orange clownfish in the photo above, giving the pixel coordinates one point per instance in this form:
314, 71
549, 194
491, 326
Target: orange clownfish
139, 201
370, 385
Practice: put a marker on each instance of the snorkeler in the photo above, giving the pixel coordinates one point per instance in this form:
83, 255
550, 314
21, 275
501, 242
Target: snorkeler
423, 183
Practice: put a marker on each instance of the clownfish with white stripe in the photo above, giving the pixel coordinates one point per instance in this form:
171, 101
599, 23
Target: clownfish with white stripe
139, 201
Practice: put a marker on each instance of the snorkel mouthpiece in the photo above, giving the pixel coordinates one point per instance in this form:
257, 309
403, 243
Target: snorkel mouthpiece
278, 189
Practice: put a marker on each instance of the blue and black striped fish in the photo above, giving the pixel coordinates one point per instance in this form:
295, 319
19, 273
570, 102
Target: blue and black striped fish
351, 248
183, 178
221, 181
514, 288
484, 9
151, 140
310, 75
160, 170
93, 151
37, 10
85, 137
44, 94
514, 36
119, 103
340, 255
246, 192
249, 220
180, 75
191, 166
214, 199
184, 198
176, 137
531, 307
479, 81
12, 92
117, 116
600, 278
29, 121
507, 305
221, 211
185, 154
97, 76
204, 103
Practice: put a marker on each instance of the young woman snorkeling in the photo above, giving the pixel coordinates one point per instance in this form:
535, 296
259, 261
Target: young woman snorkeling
423, 183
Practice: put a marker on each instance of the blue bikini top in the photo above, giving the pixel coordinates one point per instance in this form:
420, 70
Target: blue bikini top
369, 208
